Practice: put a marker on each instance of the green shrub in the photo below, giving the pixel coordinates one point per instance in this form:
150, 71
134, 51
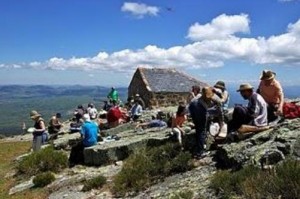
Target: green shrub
181, 162
228, 183
134, 175
42, 161
281, 181
184, 194
43, 179
94, 183
146, 167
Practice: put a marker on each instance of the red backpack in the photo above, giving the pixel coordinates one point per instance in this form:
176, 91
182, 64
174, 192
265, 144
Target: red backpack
291, 110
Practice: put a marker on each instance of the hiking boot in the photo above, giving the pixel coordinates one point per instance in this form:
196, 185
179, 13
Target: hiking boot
232, 136
202, 155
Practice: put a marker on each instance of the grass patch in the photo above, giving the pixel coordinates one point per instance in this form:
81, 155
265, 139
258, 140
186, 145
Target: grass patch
43, 179
94, 183
281, 182
146, 167
8, 152
42, 161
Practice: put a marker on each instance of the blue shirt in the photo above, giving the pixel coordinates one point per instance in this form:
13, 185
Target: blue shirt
89, 131
136, 110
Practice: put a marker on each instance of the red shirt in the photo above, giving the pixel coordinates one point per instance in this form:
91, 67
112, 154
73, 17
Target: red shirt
114, 114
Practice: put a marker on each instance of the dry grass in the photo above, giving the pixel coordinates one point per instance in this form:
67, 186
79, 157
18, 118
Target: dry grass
8, 152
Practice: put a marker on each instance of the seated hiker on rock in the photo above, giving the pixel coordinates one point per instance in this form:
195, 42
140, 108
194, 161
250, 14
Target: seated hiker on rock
39, 133
79, 112
54, 126
221, 91
89, 134
199, 110
136, 111
92, 111
271, 90
139, 100
177, 122
114, 115
113, 95
195, 93
255, 114
156, 122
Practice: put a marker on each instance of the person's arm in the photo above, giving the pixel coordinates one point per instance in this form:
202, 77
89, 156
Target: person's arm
281, 97
140, 110
142, 125
173, 121
258, 89
252, 108
82, 132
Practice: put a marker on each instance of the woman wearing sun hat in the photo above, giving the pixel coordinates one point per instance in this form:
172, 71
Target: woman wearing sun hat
39, 130
271, 90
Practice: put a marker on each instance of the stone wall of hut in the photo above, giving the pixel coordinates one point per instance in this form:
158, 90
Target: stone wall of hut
164, 99
137, 86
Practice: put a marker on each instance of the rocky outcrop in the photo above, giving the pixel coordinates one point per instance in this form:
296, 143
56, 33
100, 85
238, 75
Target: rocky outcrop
195, 181
130, 141
263, 149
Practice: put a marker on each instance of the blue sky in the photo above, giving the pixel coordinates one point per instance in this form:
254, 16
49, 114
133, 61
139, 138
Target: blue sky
100, 42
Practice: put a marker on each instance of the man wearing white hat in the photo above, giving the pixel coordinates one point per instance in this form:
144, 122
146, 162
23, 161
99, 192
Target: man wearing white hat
254, 114
89, 134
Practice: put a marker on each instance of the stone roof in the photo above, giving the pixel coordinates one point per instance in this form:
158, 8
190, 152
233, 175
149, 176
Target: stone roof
168, 80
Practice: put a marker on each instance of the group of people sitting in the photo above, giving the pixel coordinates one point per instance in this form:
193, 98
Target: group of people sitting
263, 110
203, 107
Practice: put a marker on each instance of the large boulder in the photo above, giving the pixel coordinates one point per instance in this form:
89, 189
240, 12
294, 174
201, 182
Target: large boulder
265, 148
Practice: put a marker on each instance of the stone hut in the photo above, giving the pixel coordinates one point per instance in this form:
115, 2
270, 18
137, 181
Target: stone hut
161, 87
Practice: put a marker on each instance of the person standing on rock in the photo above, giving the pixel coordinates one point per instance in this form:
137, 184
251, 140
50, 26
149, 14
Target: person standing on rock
198, 111
271, 90
89, 135
39, 133
113, 95
255, 114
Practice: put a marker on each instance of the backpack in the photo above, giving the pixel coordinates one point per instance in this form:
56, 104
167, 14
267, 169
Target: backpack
291, 110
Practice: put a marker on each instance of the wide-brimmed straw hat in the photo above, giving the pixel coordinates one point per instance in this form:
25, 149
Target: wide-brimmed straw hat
267, 75
244, 87
220, 84
34, 114
207, 92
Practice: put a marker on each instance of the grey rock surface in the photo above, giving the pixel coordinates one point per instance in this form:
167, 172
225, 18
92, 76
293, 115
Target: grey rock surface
268, 147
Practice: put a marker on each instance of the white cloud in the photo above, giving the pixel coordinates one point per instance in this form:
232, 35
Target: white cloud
206, 52
221, 27
140, 9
